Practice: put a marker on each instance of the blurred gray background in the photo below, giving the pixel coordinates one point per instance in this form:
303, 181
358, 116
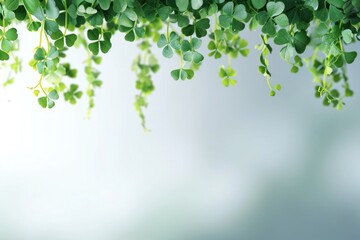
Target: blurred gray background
219, 163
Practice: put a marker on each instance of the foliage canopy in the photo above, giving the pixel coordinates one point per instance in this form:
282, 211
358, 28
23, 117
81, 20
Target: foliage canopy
178, 27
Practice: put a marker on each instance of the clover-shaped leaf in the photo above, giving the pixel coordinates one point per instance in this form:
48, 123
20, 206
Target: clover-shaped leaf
275, 8
282, 37
49, 100
347, 36
227, 75
190, 53
182, 74
182, 5
12, 4
73, 94
199, 28
258, 3
168, 44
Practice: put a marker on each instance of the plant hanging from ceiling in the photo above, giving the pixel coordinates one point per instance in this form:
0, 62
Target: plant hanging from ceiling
178, 28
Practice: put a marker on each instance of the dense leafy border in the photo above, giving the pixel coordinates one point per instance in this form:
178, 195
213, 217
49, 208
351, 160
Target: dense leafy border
177, 27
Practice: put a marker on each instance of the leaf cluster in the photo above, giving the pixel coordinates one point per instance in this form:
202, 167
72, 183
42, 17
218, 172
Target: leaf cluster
311, 33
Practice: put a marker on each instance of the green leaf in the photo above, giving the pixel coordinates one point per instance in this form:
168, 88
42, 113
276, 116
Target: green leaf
222, 72
269, 28
231, 72
183, 74
43, 101
162, 42
189, 74
336, 3
258, 3
347, 36
196, 43
253, 24
74, 88
70, 39
225, 21
164, 12
34, 8
287, 52
53, 53
335, 14
275, 8
282, 37
328, 70
96, 19
40, 67
282, 20
90, 11
228, 8
72, 11
182, 5
93, 34
94, 48
120, 5
201, 26
240, 13
175, 74
9, 15
262, 17
167, 52
105, 46
56, 35
6, 45
33, 26
59, 43
301, 40
52, 11
50, 103
39, 54
53, 95
175, 41
104, 4
51, 26
188, 31
237, 26
130, 36
78, 94
196, 4
125, 21
31, 5
3, 56
197, 57
186, 46
12, 4
294, 69
350, 57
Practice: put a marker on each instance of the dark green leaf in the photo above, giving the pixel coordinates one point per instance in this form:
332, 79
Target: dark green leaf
70, 39
43, 101
3, 56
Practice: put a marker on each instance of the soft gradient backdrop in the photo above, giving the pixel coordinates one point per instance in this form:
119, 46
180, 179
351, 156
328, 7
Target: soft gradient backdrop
219, 163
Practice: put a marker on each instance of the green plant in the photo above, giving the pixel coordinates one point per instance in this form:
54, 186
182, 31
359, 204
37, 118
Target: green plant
178, 28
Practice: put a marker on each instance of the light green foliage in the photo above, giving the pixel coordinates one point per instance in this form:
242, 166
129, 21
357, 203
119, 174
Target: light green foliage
178, 27
227, 75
